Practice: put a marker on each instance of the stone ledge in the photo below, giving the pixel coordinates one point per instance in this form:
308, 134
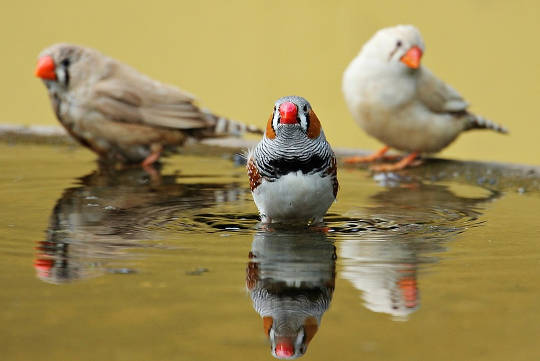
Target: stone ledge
491, 175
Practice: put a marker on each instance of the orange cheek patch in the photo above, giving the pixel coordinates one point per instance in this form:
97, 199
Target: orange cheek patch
314, 129
269, 130
267, 324
310, 328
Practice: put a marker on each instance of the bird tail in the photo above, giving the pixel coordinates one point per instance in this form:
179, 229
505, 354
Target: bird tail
228, 127
479, 122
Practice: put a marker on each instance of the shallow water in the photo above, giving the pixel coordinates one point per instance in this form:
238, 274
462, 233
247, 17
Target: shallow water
172, 265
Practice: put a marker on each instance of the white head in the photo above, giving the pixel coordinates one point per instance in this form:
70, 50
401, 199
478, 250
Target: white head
401, 47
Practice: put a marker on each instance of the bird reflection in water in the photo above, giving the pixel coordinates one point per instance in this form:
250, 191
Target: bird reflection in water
412, 223
290, 278
110, 211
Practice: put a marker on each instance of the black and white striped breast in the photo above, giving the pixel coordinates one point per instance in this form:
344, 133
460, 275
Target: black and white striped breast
292, 152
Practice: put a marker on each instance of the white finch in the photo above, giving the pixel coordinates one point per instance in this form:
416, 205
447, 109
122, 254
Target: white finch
401, 103
292, 171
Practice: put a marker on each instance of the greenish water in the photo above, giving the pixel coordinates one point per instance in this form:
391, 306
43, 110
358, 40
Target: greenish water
127, 265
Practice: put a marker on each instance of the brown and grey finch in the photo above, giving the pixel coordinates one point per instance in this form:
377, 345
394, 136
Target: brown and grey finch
401, 103
292, 171
119, 113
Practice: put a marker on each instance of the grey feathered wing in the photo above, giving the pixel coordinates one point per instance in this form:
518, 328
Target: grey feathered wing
128, 96
438, 96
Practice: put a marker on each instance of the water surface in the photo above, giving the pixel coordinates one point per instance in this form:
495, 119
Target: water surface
172, 265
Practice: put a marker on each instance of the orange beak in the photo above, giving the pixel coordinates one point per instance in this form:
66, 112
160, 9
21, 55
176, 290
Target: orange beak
412, 57
45, 68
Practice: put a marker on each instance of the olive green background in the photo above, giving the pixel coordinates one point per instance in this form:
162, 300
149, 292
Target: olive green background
239, 56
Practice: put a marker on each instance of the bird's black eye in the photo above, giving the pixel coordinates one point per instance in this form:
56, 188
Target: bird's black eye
398, 44
63, 72
305, 108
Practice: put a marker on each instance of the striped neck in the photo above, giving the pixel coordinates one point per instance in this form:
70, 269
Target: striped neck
292, 151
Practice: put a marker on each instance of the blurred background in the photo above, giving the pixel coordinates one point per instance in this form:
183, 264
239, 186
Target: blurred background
238, 57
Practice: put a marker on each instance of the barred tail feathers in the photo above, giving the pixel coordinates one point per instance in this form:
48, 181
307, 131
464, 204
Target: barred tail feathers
227, 127
479, 122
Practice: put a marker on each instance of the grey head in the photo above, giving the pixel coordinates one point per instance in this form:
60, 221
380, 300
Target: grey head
293, 115
65, 66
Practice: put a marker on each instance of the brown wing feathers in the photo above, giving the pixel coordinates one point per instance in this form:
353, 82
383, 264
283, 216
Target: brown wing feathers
128, 96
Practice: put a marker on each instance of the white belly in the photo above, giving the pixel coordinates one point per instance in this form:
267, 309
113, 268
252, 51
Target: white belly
413, 128
294, 198
385, 107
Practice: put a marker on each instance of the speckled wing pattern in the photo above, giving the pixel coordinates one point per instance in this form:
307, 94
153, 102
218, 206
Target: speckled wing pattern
253, 174
332, 172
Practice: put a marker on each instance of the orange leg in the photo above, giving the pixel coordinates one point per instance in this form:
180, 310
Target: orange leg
369, 158
147, 165
154, 156
407, 161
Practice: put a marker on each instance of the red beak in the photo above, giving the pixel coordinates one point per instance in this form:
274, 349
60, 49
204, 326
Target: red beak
412, 57
288, 113
45, 68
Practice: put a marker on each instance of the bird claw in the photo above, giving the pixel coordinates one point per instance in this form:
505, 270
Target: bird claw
369, 158
408, 161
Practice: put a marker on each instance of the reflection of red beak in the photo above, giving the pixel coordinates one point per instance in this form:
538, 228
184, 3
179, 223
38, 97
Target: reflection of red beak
288, 113
412, 57
409, 290
45, 68
284, 348
43, 267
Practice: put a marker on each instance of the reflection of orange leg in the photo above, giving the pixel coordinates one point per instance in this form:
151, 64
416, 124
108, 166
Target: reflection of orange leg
369, 158
155, 175
320, 228
265, 225
407, 161
409, 290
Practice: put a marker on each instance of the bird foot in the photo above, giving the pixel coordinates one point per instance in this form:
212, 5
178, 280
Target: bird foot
408, 161
369, 158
